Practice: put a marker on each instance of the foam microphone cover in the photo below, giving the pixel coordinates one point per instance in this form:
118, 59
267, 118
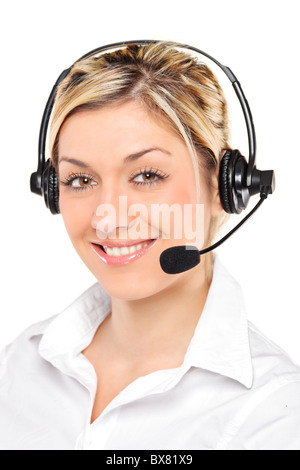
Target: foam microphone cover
178, 259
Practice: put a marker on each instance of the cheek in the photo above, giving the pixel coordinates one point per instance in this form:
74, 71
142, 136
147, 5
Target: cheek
196, 217
76, 216
180, 193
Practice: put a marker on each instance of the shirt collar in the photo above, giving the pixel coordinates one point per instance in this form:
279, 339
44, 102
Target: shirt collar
73, 329
220, 343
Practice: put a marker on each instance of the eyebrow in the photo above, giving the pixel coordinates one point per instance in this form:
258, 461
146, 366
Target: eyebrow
130, 158
134, 156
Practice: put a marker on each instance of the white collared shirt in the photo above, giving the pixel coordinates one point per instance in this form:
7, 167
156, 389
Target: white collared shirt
234, 390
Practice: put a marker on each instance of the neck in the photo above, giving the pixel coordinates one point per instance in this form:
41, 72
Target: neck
160, 326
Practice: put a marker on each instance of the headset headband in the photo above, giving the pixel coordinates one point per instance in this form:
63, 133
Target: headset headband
36, 178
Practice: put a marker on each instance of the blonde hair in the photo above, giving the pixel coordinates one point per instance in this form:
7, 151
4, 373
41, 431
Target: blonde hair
169, 82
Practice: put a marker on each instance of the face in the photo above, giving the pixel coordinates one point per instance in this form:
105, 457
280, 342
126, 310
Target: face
120, 171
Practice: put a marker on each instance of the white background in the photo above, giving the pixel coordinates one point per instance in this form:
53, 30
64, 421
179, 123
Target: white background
259, 40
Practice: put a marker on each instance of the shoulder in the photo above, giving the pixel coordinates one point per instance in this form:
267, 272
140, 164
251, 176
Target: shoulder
35, 391
21, 367
16, 355
270, 416
271, 364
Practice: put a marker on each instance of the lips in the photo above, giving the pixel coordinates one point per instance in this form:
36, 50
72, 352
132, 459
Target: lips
118, 250
122, 252
120, 243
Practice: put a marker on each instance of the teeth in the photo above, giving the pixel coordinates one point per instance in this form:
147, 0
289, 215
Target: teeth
124, 250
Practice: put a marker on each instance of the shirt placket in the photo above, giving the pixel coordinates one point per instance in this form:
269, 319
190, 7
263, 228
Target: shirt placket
97, 434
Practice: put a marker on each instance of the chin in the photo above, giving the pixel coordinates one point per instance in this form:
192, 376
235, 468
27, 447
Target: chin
129, 285
136, 280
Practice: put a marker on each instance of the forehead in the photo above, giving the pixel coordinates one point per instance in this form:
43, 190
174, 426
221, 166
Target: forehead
128, 124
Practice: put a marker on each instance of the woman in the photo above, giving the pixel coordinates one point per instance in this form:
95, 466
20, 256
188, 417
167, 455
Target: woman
143, 359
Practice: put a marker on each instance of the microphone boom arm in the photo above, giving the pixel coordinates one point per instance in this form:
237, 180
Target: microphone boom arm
263, 196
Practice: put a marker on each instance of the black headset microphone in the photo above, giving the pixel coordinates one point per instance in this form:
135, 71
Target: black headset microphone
238, 179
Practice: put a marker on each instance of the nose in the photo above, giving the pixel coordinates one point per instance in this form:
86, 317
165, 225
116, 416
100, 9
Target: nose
110, 214
117, 216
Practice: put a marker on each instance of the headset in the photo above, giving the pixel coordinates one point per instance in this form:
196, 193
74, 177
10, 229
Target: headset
239, 179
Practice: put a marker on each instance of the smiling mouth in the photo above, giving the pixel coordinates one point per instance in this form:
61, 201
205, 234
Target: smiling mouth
124, 250
121, 255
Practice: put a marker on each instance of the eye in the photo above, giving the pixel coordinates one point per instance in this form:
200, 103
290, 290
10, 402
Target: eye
79, 182
147, 177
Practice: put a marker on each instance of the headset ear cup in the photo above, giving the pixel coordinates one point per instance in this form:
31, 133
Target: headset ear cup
53, 192
234, 193
50, 188
225, 183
